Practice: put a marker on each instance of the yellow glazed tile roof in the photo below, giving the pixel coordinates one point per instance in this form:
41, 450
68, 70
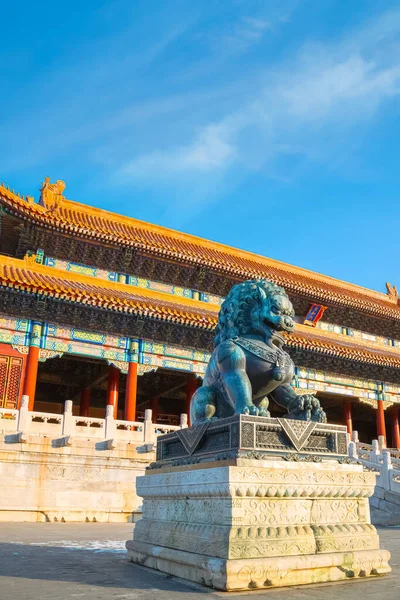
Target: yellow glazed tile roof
57, 213
28, 276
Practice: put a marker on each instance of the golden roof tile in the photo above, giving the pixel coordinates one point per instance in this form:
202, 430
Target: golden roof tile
55, 211
26, 275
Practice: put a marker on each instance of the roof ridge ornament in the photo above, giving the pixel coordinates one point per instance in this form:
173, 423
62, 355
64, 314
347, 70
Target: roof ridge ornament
51, 194
392, 292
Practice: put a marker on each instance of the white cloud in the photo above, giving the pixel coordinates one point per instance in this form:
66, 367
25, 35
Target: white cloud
244, 34
325, 89
320, 90
209, 151
258, 24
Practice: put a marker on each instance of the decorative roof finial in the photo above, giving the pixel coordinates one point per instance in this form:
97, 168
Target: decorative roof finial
51, 194
392, 292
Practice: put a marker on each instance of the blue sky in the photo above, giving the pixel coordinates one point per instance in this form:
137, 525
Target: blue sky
267, 125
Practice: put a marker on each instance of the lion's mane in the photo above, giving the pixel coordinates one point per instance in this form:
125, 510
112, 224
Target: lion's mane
235, 316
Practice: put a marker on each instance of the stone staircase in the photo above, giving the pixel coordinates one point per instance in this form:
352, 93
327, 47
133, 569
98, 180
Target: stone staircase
385, 507
385, 502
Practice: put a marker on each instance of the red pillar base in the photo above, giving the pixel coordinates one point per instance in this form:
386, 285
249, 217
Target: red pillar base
380, 420
31, 371
85, 403
394, 416
113, 389
130, 394
154, 409
348, 418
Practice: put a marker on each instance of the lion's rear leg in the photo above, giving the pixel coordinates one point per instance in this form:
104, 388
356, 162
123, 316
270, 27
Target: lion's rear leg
203, 405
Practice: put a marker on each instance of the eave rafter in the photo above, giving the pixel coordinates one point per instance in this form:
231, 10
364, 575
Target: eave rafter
56, 213
25, 277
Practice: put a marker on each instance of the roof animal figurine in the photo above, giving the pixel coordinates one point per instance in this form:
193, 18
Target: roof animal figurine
248, 365
392, 292
210, 263
51, 193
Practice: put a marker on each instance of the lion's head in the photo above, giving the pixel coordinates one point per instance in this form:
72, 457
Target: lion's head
254, 307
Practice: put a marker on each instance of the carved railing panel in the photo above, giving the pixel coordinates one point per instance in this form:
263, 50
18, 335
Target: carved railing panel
63, 428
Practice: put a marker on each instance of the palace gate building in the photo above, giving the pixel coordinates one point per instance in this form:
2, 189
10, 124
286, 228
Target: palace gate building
103, 310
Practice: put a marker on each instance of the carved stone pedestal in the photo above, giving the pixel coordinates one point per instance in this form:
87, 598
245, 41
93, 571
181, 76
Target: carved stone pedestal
256, 519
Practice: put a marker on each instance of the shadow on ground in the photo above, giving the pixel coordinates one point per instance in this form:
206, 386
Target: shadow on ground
36, 567
90, 567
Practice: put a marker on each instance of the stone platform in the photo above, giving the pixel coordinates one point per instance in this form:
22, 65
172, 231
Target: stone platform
259, 511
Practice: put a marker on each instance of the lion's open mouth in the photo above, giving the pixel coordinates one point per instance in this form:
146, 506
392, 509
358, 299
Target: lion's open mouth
287, 324
277, 339
283, 325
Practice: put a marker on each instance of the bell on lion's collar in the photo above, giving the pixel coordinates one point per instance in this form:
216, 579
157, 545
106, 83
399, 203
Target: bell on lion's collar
277, 373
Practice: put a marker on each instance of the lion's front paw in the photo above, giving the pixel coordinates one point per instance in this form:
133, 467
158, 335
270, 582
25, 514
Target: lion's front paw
250, 410
317, 412
307, 408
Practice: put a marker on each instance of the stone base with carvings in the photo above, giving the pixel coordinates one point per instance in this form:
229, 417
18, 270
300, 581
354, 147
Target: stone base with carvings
241, 522
249, 574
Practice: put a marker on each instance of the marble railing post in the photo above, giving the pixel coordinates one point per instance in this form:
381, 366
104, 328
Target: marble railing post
376, 452
353, 450
67, 422
387, 470
148, 426
23, 415
110, 428
183, 421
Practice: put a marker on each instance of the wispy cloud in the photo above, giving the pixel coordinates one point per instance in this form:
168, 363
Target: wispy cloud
237, 37
208, 152
92, 89
305, 105
186, 104
343, 88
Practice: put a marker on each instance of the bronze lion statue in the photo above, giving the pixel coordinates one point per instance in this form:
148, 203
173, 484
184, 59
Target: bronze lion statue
248, 365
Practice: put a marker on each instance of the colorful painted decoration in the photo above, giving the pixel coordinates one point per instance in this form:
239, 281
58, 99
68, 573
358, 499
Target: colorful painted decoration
314, 314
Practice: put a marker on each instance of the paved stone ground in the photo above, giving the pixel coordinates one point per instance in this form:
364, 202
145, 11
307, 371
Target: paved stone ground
87, 561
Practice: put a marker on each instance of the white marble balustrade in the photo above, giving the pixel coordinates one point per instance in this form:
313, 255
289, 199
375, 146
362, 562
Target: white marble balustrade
24, 422
376, 457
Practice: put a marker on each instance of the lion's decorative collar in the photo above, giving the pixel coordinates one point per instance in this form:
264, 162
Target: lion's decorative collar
268, 354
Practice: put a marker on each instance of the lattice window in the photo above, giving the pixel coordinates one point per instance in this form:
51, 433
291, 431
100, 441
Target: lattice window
10, 380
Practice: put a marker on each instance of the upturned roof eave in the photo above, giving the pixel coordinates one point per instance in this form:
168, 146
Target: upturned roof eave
297, 280
25, 276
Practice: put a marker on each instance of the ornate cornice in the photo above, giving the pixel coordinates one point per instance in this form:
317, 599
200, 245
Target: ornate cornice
80, 300
76, 220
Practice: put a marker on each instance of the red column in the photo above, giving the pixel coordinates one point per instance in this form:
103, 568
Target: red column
130, 393
380, 419
31, 370
347, 417
394, 415
154, 408
191, 386
32, 363
85, 403
113, 388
